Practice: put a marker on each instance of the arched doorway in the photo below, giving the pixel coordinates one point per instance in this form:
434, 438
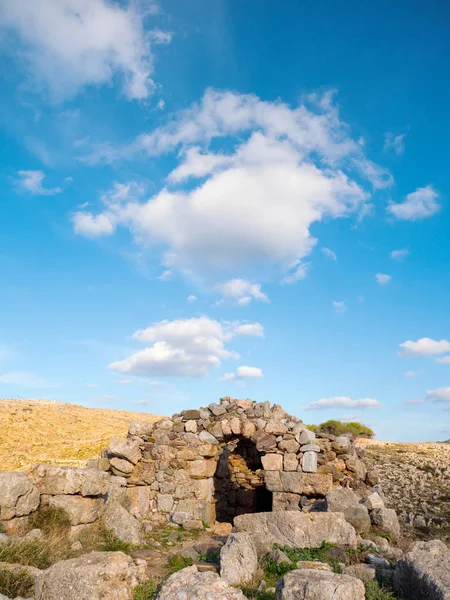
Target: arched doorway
239, 481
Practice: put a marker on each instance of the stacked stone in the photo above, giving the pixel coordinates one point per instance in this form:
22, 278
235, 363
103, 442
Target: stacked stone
175, 459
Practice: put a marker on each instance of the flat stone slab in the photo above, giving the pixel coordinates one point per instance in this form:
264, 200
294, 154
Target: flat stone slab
297, 529
424, 573
309, 584
309, 484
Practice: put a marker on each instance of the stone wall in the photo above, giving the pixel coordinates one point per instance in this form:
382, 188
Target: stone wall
198, 466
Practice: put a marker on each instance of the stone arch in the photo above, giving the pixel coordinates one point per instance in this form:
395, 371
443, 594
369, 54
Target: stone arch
239, 482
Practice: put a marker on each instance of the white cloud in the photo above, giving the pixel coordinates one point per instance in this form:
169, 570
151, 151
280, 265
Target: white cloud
161, 104
251, 201
412, 373
184, 347
32, 182
382, 278
70, 44
394, 142
92, 226
340, 307
243, 373
440, 395
242, 291
28, 380
400, 254
443, 360
166, 275
192, 298
421, 204
425, 347
124, 381
329, 253
379, 177
141, 402
343, 402
91, 385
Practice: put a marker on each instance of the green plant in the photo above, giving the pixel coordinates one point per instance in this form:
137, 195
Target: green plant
339, 428
16, 583
146, 591
177, 562
375, 592
109, 542
253, 594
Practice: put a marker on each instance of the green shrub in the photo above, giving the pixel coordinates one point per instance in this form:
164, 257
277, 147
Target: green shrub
375, 592
146, 591
339, 428
177, 562
17, 583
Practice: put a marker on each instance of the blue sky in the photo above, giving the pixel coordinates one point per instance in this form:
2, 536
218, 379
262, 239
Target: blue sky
200, 199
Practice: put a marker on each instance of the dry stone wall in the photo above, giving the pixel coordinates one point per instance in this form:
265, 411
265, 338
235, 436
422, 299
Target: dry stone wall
196, 467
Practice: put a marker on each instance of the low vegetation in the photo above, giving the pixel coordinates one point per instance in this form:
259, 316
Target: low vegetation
358, 430
375, 592
16, 583
58, 433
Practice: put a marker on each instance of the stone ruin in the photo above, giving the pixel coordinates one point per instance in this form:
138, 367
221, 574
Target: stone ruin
228, 459
197, 467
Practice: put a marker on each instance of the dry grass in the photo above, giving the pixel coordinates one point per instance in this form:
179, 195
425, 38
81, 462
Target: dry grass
36, 431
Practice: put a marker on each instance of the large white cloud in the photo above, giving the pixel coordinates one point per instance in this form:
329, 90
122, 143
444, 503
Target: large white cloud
425, 347
419, 205
251, 179
343, 402
69, 44
184, 347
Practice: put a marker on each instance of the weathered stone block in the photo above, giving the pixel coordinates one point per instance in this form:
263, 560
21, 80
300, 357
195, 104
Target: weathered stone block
290, 446
272, 462
386, 521
121, 466
290, 462
191, 426
285, 501
189, 415
164, 502
238, 559
80, 510
142, 430
50, 479
201, 469
305, 436
18, 496
309, 484
122, 523
264, 441
309, 462
275, 427
126, 448
311, 584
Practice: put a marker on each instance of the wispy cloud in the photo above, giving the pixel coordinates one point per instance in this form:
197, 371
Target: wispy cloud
32, 183
329, 253
400, 254
394, 142
243, 373
382, 278
419, 205
343, 402
340, 307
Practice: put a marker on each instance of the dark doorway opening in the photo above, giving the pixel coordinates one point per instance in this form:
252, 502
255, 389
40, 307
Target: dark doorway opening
239, 482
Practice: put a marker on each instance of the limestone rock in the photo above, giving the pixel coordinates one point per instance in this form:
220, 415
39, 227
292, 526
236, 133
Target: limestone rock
279, 557
297, 529
120, 466
126, 448
191, 426
202, 468
313, 564
359, 517
309, 462
205, 436
373, 501
340, 499
310, 584
80, 510
276, 427
290, 446
238, 559
18, 496
142, 430
190, 584
50, 479
265, 441
361, 571
309, 484
124, 525
386, 521
305, 436
424, 573
94, 576
272, 462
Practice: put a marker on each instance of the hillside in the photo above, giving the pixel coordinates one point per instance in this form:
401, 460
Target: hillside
33, 431
416, 481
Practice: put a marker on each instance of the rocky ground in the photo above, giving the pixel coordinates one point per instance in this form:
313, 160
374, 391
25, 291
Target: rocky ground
37, 431
416, 481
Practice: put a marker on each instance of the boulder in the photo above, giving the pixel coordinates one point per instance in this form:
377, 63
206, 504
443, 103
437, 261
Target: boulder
361, 571
238, 559
340, 499
94, 576
18, 496
373, 501
142, 430
386, 521
308, 484
359, 517
121, 467
297, 529
125, 448
50, 479
424, 573
312, 584
309, 462
124, 525
305, 436
80, 510
190, 584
